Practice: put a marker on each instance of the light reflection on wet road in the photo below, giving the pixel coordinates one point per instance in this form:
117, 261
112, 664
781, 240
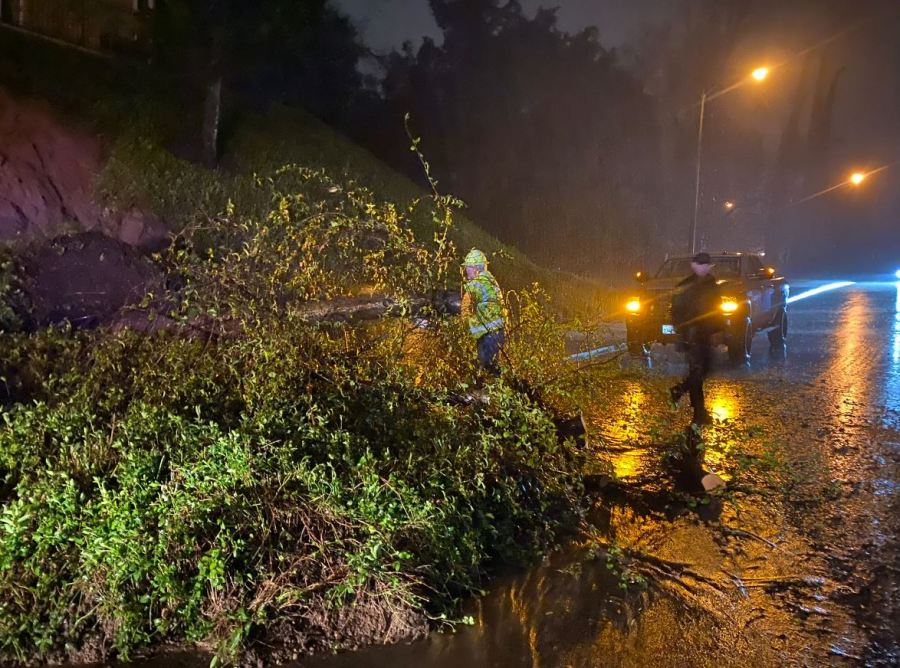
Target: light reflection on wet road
795, 566
892, 382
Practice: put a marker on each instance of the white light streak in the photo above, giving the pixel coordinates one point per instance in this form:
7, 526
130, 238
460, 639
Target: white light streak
819, 290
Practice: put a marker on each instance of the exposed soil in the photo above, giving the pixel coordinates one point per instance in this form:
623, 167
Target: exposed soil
323, 629
80, 259
47, 171
368, 622
85, 279
45, 180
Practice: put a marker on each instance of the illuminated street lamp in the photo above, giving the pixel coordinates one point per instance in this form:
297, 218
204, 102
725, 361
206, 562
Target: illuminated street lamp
729, 206
856, 179
758, 75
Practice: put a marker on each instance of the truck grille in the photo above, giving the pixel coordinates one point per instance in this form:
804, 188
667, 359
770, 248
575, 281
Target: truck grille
660, 306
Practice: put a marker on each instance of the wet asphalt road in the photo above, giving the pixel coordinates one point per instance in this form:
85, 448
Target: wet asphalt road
795, 564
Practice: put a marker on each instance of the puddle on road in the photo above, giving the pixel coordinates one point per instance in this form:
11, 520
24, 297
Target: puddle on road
570, 612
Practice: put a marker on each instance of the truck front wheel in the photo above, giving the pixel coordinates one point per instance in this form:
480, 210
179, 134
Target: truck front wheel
741, 341
778, 333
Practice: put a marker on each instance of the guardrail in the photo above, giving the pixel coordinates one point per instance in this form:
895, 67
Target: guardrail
597, 352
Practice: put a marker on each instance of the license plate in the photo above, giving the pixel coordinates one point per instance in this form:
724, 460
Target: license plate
668, 329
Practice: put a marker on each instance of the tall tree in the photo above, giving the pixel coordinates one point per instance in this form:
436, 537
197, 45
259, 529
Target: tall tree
543, 133
294, 51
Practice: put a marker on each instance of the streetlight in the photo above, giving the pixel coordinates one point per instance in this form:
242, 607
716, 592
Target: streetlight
758, 75
855, 180
729, 206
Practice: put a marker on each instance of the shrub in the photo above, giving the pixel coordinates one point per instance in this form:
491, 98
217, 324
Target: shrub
260, 467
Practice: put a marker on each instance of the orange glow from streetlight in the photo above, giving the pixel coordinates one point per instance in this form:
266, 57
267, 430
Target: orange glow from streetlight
760, 73
857, 177
729, 205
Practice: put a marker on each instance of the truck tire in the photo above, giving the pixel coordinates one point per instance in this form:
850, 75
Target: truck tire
778, 333
741, 341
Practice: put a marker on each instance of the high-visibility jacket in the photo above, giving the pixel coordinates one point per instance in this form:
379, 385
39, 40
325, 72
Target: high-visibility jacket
483, 304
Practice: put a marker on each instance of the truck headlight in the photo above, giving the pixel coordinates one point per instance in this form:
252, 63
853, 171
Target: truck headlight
633, 306
728, 305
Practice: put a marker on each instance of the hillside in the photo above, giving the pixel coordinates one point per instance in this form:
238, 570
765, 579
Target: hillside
269, 486
124, 156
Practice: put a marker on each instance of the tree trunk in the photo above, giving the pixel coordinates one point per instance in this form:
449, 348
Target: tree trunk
212, 114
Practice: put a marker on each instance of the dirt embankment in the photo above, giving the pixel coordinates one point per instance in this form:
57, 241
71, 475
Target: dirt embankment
86, 279
47, 169
83, 259
45, 173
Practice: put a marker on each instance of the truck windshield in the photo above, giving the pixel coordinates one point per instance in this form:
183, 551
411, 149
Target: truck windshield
681, 266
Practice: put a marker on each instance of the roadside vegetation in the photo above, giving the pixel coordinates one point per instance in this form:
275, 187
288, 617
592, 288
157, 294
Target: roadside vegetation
144, 121
247, 476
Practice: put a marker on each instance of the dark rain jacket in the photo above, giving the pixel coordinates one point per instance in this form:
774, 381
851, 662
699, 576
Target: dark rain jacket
695, 308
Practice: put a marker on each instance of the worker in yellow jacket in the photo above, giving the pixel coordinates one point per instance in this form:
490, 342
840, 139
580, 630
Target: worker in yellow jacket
482, 306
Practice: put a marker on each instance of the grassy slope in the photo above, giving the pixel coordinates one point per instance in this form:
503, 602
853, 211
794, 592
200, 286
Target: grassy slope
123, 104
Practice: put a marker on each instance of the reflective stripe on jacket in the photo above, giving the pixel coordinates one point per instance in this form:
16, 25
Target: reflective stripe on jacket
486, 311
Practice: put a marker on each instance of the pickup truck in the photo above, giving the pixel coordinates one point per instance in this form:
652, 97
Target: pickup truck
754, 299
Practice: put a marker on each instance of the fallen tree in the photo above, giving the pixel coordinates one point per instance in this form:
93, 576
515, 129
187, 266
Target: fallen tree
275, 492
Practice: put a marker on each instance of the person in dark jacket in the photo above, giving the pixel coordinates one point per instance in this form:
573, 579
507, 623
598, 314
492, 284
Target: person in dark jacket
695, 310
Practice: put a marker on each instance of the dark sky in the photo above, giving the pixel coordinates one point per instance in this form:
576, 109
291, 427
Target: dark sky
388, 23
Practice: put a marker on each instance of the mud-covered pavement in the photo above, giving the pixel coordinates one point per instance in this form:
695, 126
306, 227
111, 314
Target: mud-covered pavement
795, 563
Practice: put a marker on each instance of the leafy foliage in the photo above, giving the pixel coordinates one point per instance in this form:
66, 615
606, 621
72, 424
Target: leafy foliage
259, 467
12, 298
